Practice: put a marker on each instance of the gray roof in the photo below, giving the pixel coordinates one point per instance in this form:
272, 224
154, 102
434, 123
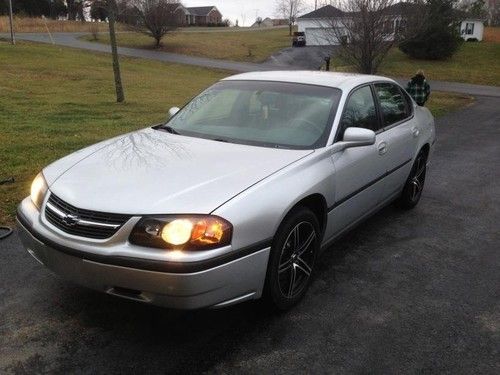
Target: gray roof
324, 12
200, 11
330, 11
403, 8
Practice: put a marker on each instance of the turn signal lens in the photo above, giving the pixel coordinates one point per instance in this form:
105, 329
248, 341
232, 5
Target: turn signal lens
208, 232
177, 232
183, 232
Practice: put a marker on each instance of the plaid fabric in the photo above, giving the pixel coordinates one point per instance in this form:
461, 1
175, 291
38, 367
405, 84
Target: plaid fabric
420, 93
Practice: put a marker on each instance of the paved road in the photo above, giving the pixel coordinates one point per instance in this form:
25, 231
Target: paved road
406, 292
71, 40
285, 60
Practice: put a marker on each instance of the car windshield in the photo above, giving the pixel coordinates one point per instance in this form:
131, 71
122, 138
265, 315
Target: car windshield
271, 114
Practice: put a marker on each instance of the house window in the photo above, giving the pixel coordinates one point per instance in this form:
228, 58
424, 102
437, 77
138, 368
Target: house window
469, 28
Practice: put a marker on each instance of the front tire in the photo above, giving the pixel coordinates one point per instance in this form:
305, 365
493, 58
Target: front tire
414, 185
293, 256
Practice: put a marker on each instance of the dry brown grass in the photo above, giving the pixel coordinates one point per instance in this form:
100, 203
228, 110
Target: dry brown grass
492, 34
37, 25
253, 46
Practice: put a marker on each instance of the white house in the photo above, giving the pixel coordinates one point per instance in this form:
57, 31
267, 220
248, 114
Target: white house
472, 29
319, 25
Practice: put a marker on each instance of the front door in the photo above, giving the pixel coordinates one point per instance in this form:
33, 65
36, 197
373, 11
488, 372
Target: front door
359, 170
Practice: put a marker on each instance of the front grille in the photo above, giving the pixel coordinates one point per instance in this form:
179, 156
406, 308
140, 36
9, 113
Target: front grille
80, 222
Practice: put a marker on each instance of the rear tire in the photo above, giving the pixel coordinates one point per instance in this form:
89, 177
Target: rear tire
292, 259
414, 185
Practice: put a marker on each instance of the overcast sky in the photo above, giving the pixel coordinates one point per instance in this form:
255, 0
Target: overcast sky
247, 9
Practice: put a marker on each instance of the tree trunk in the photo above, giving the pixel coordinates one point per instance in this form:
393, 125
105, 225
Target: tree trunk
158, 41
71, 10
290, 27
120, 96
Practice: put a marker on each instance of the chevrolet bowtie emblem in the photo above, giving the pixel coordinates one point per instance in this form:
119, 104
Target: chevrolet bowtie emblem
70, 220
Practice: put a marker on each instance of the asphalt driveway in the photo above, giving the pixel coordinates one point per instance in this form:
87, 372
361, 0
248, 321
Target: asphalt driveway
308, 57
406, 292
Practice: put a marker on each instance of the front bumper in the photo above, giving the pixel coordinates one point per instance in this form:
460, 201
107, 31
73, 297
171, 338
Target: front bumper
206, 284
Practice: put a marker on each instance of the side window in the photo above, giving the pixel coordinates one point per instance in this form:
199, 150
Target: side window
359, 111
392, 103
409, 103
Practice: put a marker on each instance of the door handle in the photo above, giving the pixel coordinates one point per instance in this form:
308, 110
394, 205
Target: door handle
415, 131
382, 148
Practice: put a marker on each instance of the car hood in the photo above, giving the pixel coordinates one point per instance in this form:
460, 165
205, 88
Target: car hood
154, 172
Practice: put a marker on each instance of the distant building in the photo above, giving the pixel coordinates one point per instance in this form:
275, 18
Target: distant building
202, 16
472, 29
271, 22
323, 25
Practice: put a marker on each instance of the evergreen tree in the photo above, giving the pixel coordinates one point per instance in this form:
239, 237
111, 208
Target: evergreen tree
436, 35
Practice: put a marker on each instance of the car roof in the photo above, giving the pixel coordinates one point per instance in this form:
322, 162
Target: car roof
343, 81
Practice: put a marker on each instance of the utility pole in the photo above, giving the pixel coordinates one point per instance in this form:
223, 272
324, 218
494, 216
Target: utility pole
11, 20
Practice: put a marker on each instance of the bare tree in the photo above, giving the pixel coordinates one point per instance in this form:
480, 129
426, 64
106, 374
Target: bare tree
156, 18
289, 10
365, 31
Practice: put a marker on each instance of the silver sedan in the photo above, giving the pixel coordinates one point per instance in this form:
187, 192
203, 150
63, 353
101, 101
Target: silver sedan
236, 195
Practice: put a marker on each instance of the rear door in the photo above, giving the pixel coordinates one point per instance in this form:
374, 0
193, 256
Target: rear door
397, 140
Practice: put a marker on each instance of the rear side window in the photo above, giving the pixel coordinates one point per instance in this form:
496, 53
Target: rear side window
359, 111
393, 104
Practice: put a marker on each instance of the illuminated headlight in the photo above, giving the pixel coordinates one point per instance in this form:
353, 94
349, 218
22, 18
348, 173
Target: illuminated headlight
38, 190
190, 232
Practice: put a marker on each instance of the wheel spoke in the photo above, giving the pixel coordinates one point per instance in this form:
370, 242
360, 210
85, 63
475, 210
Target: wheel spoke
420, 172
285, 265
306, 244
296, 238
303, 266
416, 188
292, 281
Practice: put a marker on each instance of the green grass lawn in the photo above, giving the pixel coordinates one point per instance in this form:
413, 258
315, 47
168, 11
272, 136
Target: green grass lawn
252, 46
477, 63
56, 100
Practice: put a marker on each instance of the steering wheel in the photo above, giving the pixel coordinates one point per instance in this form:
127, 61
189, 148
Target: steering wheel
306, 125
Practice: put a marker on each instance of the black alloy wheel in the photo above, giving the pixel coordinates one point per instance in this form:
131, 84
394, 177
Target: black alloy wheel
414, 186
292, 260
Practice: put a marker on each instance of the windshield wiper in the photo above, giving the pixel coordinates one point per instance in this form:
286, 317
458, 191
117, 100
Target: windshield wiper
220, 140
170, 129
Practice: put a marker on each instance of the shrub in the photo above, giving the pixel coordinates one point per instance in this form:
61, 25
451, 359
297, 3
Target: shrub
433, 44
435, 36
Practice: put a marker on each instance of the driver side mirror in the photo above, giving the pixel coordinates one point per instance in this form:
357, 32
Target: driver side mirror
357, 137
172, 111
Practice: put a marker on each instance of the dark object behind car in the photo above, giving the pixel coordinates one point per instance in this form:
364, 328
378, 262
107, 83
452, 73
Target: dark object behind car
299, 39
